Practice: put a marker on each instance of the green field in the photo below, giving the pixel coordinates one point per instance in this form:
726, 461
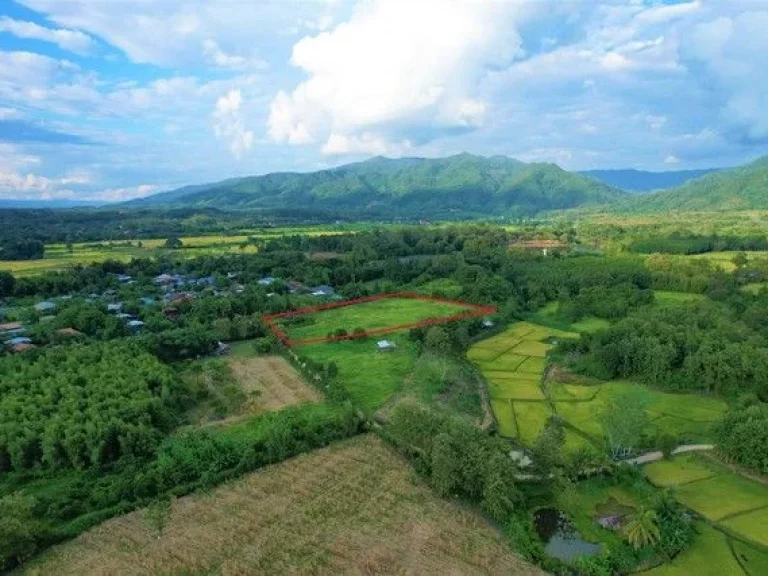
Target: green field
371, 377
666, 297
58, 256
738, 504
368, 316
550, 315
710, 555
688, 417
513, 365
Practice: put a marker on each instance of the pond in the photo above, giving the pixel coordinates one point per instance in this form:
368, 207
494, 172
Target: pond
562, 540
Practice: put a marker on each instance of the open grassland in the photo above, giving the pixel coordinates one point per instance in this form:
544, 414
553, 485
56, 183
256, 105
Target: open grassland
738, 504
753, 561
513, 365
369, 376
350, 508
724, 260
373, 315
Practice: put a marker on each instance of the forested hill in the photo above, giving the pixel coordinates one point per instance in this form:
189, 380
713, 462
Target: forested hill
458, 185
641, 181
741, 188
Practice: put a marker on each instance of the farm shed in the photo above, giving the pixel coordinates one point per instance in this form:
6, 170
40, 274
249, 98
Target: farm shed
386, 346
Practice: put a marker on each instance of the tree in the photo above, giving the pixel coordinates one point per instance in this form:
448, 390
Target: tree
7, 283
642, 528
548, 446
18, 529
173, 243
624, 419
740, 260
438, 341
158, 513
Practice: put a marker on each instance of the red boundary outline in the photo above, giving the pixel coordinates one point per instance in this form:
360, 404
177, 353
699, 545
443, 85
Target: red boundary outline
475, 311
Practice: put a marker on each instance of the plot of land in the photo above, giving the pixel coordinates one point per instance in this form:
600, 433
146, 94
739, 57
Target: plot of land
710, 555
550, 315
350, 508
513, 364
737, 503
374, 315
271, 383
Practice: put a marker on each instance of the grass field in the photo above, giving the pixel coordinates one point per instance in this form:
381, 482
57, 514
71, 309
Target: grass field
513, 364
371, 377
736, 503
549, 315
368, 316
662, 297
350, 508
724, 260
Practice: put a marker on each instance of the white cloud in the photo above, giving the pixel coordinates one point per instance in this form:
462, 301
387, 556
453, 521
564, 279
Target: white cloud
671, 160
216, 56
228, 123
72, 40
392, 67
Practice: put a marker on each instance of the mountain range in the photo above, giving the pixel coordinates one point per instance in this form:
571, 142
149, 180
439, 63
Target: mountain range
466, 185
463, 184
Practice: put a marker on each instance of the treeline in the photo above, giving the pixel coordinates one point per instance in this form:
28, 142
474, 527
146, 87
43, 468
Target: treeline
103, 224
696, 347
184, 463
15, 249
680, 243
742, 436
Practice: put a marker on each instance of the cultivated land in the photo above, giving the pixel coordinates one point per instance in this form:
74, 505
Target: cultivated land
737, 504
513, 364
374, 315
350, 508
270, 383
59, 257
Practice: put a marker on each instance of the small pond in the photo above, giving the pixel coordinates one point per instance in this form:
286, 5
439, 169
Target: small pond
562, 540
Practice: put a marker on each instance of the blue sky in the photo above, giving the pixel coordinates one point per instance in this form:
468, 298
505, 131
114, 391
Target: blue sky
113, 99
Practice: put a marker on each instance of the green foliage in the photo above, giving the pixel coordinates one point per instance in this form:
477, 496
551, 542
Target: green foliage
408, 187
743, 434
642, 528
624, 419
19, 527
83, 406
173, 243
741, 188
457, 458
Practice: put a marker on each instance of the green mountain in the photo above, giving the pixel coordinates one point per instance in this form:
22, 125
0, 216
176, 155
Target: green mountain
458, 185
741, 188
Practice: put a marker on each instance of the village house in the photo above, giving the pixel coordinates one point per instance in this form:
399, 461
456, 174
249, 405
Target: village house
69, 332
22, 347
267, 281
115, 307
45, 306
18, 340
11, 327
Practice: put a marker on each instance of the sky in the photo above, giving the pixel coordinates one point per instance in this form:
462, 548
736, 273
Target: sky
107, 100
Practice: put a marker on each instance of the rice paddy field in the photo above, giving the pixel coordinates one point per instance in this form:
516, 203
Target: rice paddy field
352, 508
733, 503
513, 364
373, 315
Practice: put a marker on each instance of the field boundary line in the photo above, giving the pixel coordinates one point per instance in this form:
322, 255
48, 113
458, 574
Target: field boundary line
474, 311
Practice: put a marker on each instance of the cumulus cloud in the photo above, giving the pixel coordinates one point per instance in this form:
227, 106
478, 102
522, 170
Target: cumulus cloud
228, 123
393, 67
72, 40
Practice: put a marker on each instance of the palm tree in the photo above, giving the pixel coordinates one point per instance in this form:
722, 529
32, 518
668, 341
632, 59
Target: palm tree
641, 529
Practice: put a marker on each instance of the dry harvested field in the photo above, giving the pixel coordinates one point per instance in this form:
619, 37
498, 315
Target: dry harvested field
271, 383
351, 508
